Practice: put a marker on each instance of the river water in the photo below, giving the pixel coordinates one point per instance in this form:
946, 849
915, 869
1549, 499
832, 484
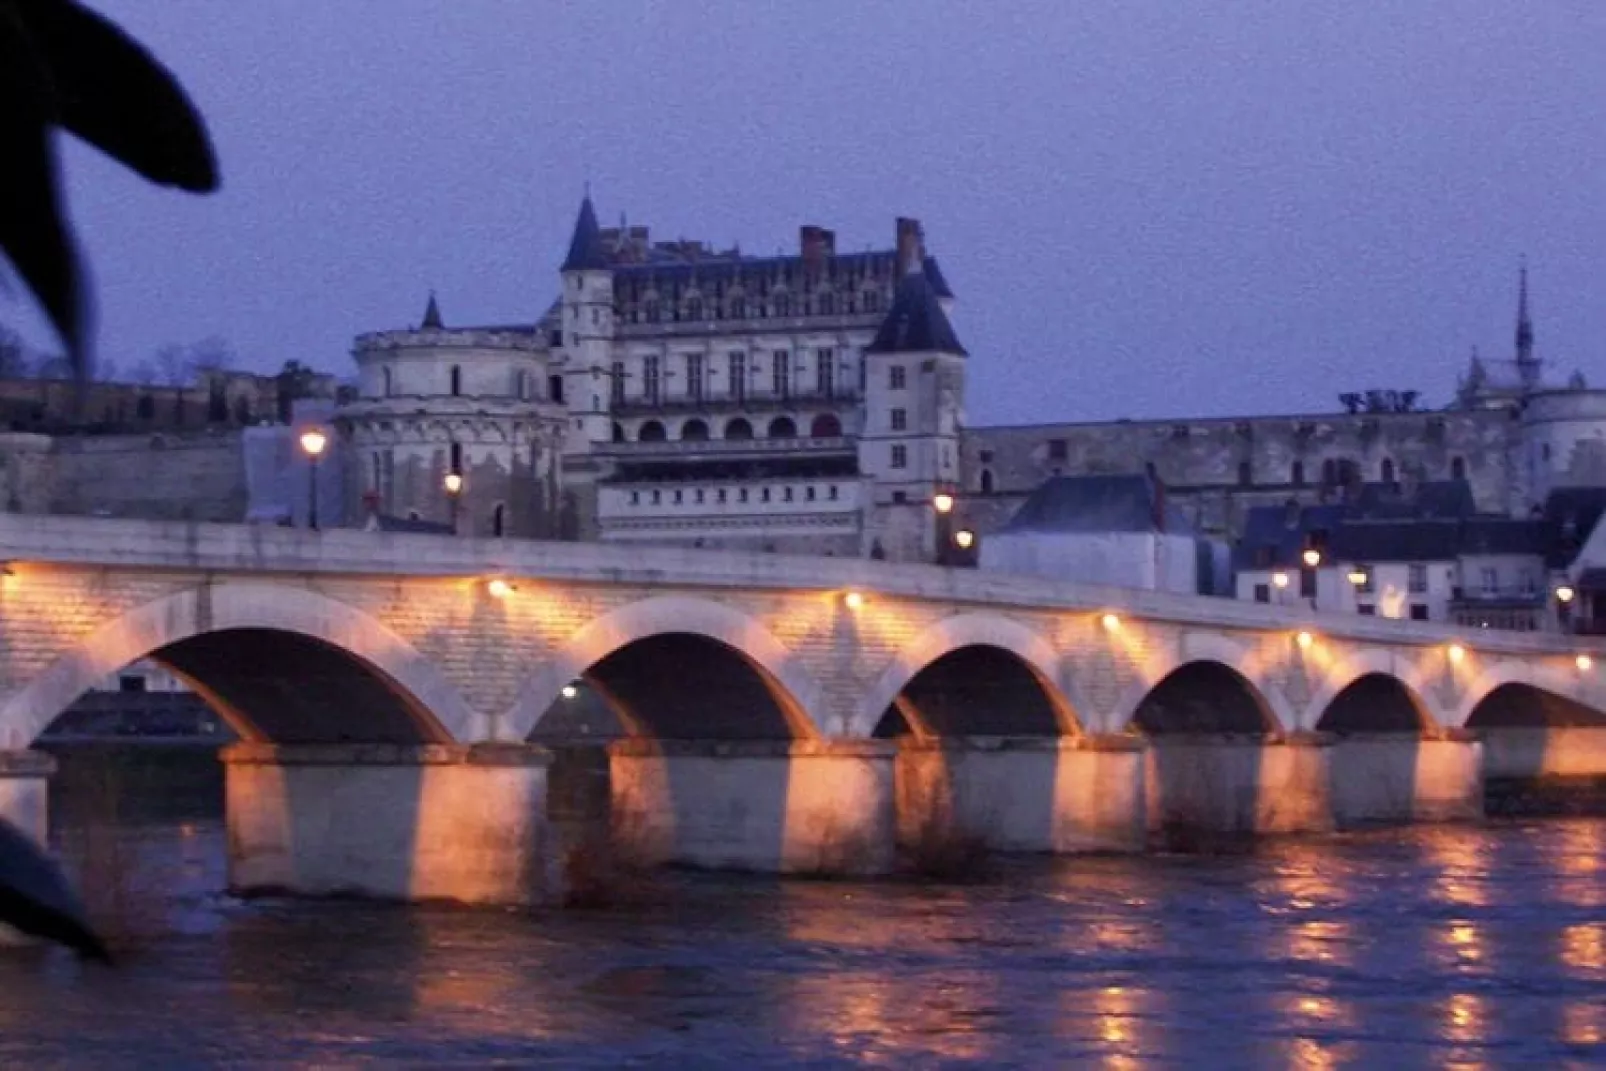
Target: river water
1467, 946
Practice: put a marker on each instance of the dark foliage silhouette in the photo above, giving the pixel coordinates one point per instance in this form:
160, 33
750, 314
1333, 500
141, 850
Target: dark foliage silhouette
36, 898
65, 67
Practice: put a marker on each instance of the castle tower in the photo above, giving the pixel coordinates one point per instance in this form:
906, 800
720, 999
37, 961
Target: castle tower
587, 334
914, 408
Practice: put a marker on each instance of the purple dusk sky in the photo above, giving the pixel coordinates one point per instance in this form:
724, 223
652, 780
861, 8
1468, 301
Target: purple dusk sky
1146, 207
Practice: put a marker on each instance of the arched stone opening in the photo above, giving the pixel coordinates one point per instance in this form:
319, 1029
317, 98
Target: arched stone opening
1374, 703
738, 429
825, 426
782, 428
1204, 697
976, 690
694, 431
652, 432
1523, 706
673, 686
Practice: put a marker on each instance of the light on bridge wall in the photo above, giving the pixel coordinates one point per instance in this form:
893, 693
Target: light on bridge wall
1279, 580
500, 588
1565, 593
1304, 639
1584, 663
1311, 558
1110, 622
1456, 653
853, 600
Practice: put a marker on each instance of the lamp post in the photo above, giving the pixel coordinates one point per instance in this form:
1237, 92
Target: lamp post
943, 503
313, 443
454, 490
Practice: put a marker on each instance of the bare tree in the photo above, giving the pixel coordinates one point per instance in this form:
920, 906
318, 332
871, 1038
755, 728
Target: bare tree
143, 372
172, 365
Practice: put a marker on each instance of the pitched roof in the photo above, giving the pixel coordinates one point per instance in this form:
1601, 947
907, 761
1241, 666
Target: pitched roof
916, 322
1097, 504
1396, 541
432, 314
1275, 536
586, 252
934, 273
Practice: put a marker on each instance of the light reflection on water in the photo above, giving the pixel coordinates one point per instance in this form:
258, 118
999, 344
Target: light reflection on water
1427, 947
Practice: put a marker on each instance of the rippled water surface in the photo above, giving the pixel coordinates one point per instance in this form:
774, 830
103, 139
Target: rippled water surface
1428, 947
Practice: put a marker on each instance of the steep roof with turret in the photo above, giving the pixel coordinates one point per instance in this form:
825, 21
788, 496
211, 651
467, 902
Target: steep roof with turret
586, 249
916, 322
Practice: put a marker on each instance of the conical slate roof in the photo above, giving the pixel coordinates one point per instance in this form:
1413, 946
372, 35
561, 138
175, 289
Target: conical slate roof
916, 322
432, 315
586, 252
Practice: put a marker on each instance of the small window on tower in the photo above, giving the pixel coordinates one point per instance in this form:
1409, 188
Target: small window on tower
897, 377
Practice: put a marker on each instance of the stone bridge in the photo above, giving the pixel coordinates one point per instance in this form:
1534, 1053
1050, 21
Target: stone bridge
781, 713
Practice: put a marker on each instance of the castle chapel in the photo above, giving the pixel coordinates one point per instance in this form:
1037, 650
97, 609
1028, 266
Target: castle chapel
814, 403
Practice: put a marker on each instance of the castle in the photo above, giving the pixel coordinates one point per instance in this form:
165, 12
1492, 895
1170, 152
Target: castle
814, 403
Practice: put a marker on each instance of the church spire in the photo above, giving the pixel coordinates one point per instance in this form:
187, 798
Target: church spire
1525, 327
432, 315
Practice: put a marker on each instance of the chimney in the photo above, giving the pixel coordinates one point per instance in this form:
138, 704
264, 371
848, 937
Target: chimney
815, 243
911, 246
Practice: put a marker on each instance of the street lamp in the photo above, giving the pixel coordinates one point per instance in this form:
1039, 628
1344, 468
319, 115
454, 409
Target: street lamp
943, 503
1312, 558
964, 539
313, 443
1565, 593
454, 490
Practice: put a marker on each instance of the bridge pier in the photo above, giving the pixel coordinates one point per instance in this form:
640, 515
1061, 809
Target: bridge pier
1216, 784
1406, 777
772, 806
403, 822
25, 803
1026, 794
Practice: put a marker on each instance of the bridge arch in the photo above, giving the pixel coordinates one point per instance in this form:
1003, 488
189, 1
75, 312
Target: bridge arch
789, 683
1386, 677
187, 629
951, 637
1195, 654
1539, 680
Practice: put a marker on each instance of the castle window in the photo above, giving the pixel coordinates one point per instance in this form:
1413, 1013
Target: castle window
457, 381
618, 433
738, 308
657, 498
699, 496
764, 495
738, 429
738, 376
830, 492
900, 497
720, 496
653, 312
900, 419
554, 388
457, 457
786, 493
1388, 470
782, 428
900, 456
652, 432
1297, 476
897, 377
635, 498
498, 519
741, 495
1329, 472
694, 431
679, 498
1246, 474
694, 309
872, 301
616, 389
781, 374
808, 493
825, 372
1458, 468
825, 304
522, 385
783, 305
986, 481
650, 380
695, 380
387, 380
1058, 450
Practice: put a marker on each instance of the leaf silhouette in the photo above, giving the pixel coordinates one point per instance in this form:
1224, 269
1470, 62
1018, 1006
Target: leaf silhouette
62, 65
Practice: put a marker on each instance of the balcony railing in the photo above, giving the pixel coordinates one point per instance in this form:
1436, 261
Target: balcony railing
727, 403
728, 447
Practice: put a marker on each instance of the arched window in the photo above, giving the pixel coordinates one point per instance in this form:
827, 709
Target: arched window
618, 434
782, 428
1297, 477
498, 520
457, 381
652, 432
387, 387
986, 481
1388, 470
738, 429
554, 388
825, 426
1458, 468
694, 431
